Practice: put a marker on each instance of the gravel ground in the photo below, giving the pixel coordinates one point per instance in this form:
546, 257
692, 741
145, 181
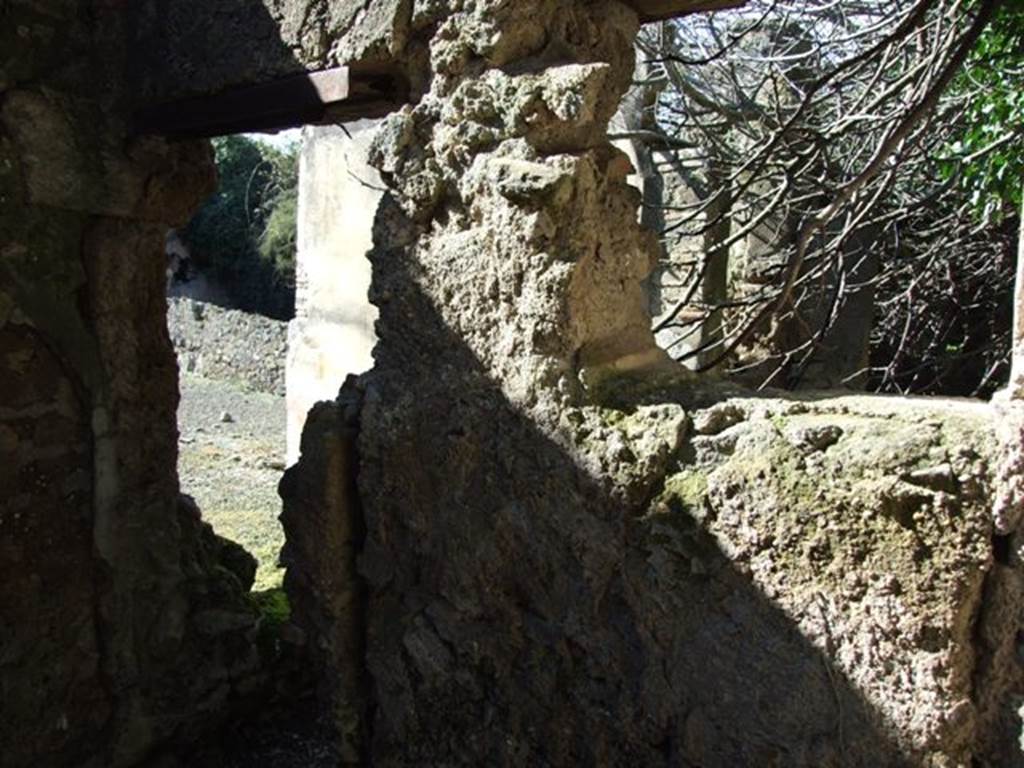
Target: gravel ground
231, 456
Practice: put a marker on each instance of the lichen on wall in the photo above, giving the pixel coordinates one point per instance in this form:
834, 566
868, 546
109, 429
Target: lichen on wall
867, 523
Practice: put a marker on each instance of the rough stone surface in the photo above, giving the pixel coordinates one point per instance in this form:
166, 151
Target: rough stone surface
48, 628
229, 345
569, 565
663, 597
1008, 504
181, 50
323, 524
874, 545
122, 624
563, 564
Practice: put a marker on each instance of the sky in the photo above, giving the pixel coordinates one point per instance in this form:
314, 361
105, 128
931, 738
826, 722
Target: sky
279, 140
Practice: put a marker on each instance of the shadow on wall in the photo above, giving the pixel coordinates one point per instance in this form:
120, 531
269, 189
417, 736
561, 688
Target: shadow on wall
522, 613
182, 49
524, 610
112, 630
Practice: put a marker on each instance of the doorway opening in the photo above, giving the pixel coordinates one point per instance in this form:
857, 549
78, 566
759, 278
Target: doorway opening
270, 283
231, 293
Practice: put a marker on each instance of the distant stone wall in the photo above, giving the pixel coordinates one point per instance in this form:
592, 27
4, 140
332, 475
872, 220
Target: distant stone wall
228, 345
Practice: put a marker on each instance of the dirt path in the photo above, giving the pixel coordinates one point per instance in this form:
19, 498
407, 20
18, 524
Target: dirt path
231, 456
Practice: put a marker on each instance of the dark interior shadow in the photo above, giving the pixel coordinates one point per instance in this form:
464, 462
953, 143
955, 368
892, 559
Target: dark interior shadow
181, 49
213, 679
268, 73
104, 655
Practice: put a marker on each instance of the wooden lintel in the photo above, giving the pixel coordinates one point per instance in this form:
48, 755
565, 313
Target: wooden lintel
311, 98
656, 10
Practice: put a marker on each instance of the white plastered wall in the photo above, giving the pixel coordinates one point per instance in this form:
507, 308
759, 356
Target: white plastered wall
332, 334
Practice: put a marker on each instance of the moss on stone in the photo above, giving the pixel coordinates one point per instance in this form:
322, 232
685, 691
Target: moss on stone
611, 417
844, 522
688, 488
272, 606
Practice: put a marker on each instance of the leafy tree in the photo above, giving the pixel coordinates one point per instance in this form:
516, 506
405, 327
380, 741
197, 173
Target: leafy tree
243, 237
988, 153
277, 241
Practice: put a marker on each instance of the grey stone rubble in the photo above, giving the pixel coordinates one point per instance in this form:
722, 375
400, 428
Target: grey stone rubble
229, 345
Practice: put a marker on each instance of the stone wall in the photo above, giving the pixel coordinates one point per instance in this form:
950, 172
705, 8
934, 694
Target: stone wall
124, 626
524, 537
124, 621
576, 552
48, 622
228, 345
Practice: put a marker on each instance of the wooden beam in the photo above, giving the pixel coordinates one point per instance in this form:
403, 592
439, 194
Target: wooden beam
656, 10
311, 98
